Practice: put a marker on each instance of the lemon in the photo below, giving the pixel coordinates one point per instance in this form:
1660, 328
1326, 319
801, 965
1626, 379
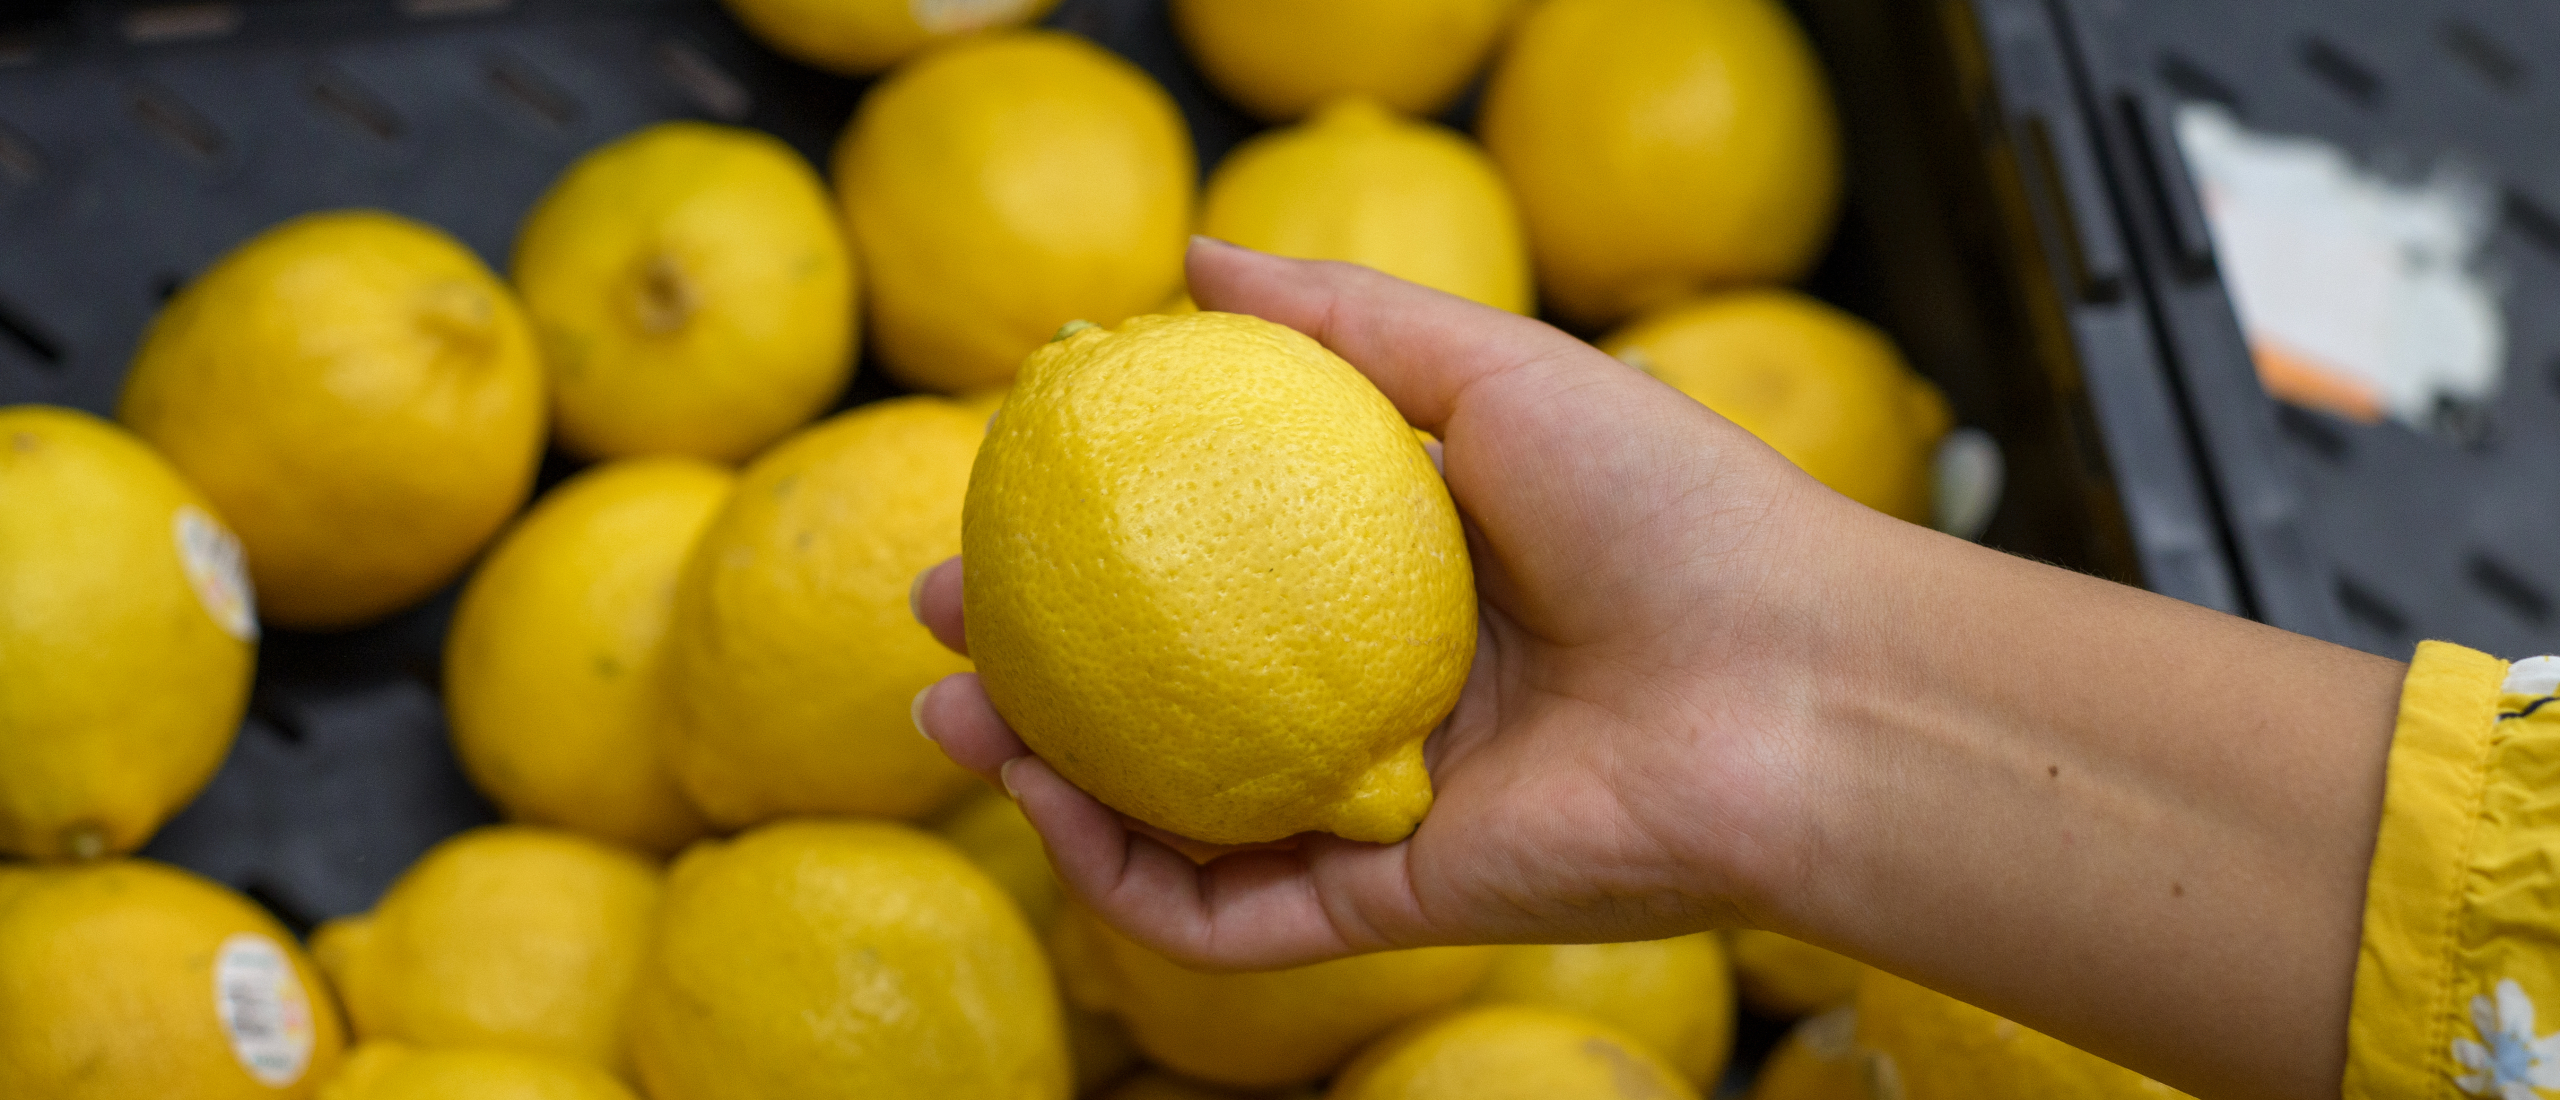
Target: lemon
358, 396
1822, 387
693, 293
1413, 199
1280, 61
1788, 978
1675, 996
1159, 1085
384, 1070
843, 958
1658, 147
1510, 1052
1262, 1029
115, 575
130, 979
554, 677
989, 828
505, 936
1214, 580
856, 37
1004, 187
1818, 1060
795, 654
1929, 1046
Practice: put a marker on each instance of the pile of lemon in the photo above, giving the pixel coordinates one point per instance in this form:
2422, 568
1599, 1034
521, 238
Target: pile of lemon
731, 868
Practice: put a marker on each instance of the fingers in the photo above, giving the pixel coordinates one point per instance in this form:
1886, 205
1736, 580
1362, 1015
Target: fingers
1421, 347
935, 599
955, 714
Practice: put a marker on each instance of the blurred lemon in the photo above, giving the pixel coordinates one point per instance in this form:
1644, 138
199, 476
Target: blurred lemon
1675, 996
1509, 1052
1145, 523
1159, 1085
115, 574
1413, 199
1281, 60
795, 654
384, 1070
693, 292
1658, 147
554, 676
361, 400
857, 37
506, 936
827, 958
989, 828
1929, 1046
1004, 187
1822, 387
1818, 1060
1261, 1029
1788, 978
128, 978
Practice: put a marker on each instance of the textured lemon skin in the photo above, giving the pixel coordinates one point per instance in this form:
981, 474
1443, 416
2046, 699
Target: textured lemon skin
385, 1070
1822, 387
693, 292
107, 986
1354, 183
1256, 1030
1213, 579
843, 958
1782, 977
361, 399
1509, 1052
506, 936
1280, 61
1675, 996
1658, 147
555, 679
94, 604
859, 37
1004, 187
795, 653
1938, 1048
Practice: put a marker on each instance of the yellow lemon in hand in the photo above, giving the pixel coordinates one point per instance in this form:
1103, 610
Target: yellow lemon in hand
554, 667
1412, 199
1659, 147
693, 292
1822, 387
358, 396
1260, 1029
1675, 996
384, 1070
1004, 187
1280, 60
1215, 581
855, 37
128, 978
839, 958
126, 637
1510, 1052
505, 936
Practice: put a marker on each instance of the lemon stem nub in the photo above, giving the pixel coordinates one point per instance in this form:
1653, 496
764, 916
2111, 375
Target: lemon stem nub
666, 297
85, 841
1071, 328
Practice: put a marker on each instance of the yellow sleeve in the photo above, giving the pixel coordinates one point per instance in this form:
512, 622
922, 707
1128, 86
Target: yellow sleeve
2462, 908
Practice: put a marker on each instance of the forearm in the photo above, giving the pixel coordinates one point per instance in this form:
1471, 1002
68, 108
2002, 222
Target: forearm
2135, 824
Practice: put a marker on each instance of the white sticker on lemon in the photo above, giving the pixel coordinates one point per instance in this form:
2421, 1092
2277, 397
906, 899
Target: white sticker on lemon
958, 16
263, 1009
211, 555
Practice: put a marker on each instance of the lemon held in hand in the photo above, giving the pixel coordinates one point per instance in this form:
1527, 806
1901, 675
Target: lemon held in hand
126, 637
1004, 187
1213, 579
693, 292
128, 978
1413, 199
855, 37
361, 400
1280, 61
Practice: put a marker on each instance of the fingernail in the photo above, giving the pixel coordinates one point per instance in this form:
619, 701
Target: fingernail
1004, 775
915, 595
1198, 239
915, 713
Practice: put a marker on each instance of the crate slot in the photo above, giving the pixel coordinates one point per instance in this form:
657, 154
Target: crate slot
2351, 78
2532, 221
704, 81
2481, 54
18, 157
520, 84
2314, 431
2189, 79
446, 9
2173, 188
2508, 586
19, 330
170, 117
296, 917
182, 22
2362, 605
338, 94
2096, 258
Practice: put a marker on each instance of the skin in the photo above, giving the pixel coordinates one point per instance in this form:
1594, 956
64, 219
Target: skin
1712, 693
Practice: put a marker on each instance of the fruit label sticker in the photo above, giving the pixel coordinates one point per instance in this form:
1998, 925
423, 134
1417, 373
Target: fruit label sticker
957, 16
210, 554
263, 1010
